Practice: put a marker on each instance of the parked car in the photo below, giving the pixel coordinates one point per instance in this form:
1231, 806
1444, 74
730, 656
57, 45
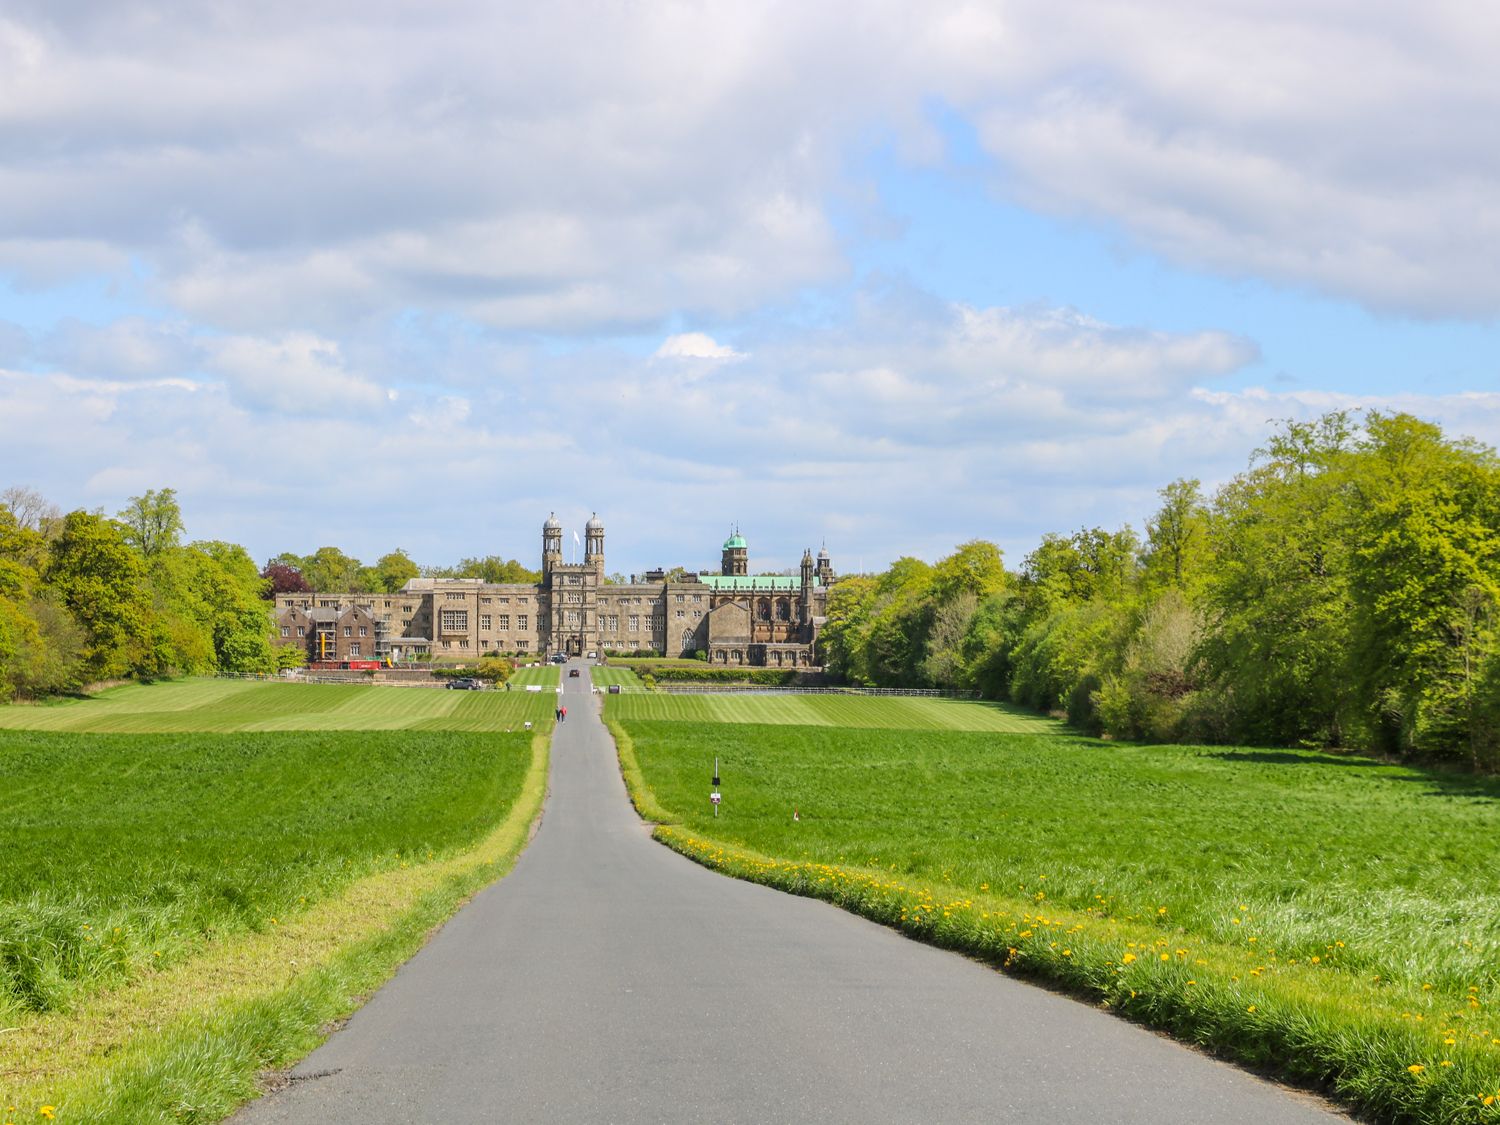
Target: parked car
465, 683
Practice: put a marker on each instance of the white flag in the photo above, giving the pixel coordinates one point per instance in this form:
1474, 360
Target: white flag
577, 541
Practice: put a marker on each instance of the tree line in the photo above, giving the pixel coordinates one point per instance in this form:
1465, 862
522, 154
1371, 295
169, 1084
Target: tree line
1341, 591
330, 570
85, 598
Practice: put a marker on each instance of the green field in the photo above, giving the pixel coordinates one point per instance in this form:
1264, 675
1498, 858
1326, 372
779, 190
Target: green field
849, 711
142, 820
1333, 917
255, 705
605, 674
545, 674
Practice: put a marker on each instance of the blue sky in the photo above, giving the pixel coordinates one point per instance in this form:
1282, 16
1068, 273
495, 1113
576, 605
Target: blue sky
886, 276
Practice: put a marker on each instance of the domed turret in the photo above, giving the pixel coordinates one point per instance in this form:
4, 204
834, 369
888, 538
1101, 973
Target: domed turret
593, 551
551, 543
736, 554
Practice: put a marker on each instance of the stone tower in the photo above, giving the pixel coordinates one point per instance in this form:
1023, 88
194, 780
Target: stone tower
805, 607
736, 555
551, 545
825, 568
593, 551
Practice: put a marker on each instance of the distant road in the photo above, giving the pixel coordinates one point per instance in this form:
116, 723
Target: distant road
608, 979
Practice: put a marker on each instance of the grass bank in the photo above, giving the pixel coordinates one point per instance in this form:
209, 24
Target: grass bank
1327, 918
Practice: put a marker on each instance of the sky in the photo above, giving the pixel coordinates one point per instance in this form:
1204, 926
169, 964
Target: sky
882, 276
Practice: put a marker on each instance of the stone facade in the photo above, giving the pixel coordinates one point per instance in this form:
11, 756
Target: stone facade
737, 618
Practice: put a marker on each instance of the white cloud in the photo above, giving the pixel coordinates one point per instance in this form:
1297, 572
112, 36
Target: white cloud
296, 374
694, 345
576, 168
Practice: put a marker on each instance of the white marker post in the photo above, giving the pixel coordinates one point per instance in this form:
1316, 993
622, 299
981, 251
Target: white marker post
715, 796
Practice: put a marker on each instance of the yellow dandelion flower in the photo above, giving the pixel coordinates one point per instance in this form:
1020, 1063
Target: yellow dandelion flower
47, 1111
1251, 1008
1166, 956
1445, 1062
1416, 1068
1129, 957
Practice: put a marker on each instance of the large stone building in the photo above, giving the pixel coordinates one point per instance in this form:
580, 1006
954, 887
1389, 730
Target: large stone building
735, 617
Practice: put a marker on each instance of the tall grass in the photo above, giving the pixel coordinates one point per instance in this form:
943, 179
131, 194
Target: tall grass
123, 853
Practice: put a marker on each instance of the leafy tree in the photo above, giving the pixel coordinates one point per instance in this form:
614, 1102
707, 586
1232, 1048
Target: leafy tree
329, 571
975, 569
1177, 536
394, 570
153, 522
1278, 592
1424, 577
490, 568
99, 579
283, 578
40, 643
239, 622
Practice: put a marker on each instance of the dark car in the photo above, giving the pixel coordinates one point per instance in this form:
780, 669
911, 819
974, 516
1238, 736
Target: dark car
465, 683
572, 673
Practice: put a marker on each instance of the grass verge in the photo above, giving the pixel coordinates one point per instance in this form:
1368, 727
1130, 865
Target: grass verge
187, 1044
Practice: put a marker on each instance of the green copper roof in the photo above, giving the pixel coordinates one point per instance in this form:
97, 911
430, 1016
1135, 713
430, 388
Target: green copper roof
734, 540
751, 581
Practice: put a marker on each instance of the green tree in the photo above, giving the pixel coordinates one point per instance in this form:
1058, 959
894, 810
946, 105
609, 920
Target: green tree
1177, 536
395, 570
975, 568
153, 522
1424, 580
329, 571
40, 643
99, 579
1277, 596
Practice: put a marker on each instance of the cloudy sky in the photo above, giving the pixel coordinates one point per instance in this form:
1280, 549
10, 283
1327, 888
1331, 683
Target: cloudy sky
889, 276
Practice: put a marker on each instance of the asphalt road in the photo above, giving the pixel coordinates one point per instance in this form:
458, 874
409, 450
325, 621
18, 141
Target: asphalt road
609, 979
